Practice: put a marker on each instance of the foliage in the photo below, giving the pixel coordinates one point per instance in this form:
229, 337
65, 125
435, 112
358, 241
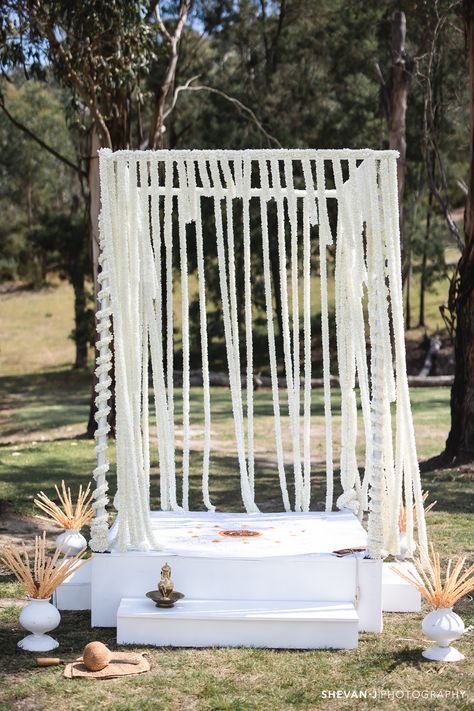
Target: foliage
99, 50
32, 182
58, 243
248, 74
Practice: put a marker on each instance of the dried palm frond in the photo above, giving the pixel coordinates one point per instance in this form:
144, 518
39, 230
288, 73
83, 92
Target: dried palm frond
458, 580
42, 574
402, 518
68, 515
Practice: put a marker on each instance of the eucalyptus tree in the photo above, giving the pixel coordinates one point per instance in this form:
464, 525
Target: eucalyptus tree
42, 227
460, 442
104, 52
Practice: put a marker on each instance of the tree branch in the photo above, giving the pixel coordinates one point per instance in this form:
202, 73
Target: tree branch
162, 94
176, 93
446, 213
431, 150
55, 46
161, 24
21, 127
231, 99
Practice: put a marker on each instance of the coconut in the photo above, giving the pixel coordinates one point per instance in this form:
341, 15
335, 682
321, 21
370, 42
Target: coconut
96, 656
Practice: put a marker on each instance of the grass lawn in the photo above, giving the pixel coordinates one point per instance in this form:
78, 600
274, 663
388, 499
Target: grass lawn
42, 416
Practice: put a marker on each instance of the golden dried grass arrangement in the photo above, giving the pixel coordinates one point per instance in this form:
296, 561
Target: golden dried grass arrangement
458, 579
42, 574
69, 515
402, 518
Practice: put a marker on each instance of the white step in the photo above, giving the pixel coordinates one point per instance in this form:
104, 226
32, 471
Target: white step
234, 623
397, 594
296, 578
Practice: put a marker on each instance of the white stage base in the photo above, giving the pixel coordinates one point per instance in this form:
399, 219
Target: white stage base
290, 562
226, 623
203, 569
290, 578
397, 594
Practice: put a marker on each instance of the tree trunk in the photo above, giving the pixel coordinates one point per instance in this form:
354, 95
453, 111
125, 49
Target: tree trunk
460, 442
401, 73
421, 320
408, 294
81, 336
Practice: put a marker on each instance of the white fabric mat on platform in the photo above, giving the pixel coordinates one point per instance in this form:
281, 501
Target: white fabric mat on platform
264, 534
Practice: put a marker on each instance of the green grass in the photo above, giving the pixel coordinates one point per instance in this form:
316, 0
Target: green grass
235, 679
42, 417
36, 328
42, 443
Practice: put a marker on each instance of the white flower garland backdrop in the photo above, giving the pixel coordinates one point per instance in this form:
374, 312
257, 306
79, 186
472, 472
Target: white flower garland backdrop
141, 193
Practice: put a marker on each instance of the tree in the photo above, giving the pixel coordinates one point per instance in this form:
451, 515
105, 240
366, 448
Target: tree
34, 186
460, 442
59, 239
251, 73
296, 66
104, 53
395, 99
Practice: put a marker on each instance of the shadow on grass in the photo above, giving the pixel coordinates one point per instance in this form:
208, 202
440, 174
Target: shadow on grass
395, 659
452, 489
43, 466
43, 401
225, 490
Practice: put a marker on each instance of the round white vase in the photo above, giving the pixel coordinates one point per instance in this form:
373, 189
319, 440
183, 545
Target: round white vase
38, 617
443, 626
71, 542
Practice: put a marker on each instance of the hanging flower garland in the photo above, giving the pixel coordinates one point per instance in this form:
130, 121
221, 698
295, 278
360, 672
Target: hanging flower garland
137, 228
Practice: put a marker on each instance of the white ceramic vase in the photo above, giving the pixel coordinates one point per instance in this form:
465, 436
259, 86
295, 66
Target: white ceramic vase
38, 617
443, 626
71, 542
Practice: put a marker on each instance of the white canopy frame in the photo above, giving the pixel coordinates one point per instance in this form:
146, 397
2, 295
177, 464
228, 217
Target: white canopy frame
141, 191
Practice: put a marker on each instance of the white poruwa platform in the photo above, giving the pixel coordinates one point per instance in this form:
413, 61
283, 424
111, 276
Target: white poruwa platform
279, 534
75, 591
281, 588
397, 594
